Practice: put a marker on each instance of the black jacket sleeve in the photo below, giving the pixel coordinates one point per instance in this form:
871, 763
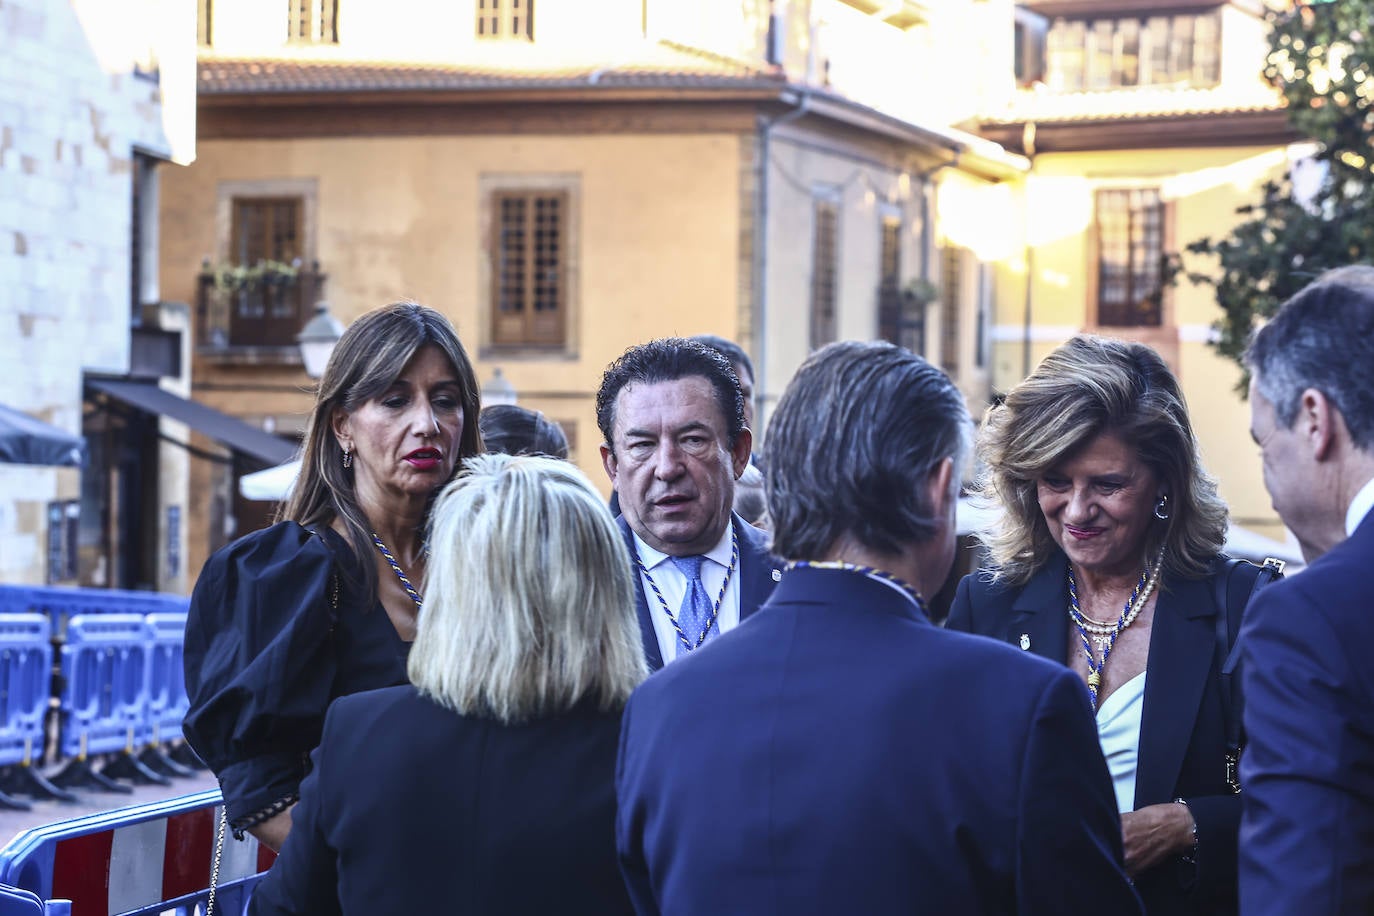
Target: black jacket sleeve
260, 665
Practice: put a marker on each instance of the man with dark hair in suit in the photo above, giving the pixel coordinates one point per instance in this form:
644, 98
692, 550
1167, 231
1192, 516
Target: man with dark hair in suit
1307, 831
672, 415
839, 753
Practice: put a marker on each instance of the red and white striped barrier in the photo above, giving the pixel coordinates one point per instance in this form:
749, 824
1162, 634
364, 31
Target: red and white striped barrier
128, 861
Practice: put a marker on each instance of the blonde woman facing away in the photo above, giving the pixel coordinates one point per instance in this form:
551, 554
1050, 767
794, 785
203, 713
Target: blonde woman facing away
488, 785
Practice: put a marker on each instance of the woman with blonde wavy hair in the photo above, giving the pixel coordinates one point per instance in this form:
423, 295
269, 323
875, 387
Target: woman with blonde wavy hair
486, 786
1108, 559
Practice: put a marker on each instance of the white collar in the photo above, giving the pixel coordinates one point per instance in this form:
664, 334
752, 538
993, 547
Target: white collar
1359, 507
721, 553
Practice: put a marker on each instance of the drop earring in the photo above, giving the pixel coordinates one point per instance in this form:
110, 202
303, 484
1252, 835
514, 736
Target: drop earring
348, 463
1162, 508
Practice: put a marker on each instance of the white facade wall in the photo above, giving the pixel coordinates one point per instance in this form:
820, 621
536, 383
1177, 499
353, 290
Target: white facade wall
72, 113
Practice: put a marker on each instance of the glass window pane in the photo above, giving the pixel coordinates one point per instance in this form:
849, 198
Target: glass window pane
1127, 53
1101, 45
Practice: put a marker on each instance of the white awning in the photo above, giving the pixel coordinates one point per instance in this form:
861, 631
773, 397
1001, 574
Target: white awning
271, 484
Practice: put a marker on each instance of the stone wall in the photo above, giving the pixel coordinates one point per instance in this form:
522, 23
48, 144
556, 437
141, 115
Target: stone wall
83, 85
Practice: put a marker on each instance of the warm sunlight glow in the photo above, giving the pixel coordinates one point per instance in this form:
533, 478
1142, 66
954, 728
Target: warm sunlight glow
983, 218
1060, 207
1244, 176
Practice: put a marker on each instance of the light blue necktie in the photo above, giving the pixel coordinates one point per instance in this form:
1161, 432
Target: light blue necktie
696, 605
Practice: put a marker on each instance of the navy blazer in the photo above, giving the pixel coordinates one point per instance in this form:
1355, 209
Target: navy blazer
412, 808
838, 753
1307, 837
1182, 729
758, 573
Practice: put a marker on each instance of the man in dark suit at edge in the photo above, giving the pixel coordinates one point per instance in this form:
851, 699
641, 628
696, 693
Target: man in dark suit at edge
1307, 828
839, 753
672, 415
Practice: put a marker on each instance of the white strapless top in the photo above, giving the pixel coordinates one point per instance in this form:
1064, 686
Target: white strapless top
1118, 730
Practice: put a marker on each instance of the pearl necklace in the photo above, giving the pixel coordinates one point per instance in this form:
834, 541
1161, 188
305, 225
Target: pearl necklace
1103, 628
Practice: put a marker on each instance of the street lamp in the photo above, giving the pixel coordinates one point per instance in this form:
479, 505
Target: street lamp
497, 390
317, 340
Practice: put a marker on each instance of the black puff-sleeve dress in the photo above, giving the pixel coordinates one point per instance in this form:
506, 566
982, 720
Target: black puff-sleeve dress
276, 631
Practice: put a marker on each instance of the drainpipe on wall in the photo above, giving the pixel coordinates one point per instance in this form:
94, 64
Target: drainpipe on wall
760, 266
1028, 146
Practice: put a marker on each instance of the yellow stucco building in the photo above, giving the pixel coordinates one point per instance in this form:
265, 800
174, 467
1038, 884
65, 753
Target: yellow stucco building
1144, 132
562, 186
976, 180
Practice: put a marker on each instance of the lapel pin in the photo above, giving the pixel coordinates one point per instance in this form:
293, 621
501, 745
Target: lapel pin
1025, 642
777, 575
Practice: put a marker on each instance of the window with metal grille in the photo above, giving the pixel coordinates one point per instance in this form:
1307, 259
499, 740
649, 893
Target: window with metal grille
529, 268
890, 254
312, 21
951, 299
824, 270
1130, 258
265, 300
505, 19
1183, 50
266, 229
895, 310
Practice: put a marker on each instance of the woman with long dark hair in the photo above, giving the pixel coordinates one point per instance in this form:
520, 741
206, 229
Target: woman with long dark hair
324, 603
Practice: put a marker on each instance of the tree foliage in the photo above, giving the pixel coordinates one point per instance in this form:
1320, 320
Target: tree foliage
1320, 58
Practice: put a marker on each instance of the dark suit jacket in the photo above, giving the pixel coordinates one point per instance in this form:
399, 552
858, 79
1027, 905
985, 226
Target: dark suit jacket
838, 753
1307, 838
756, 573
412, 808
1182, 729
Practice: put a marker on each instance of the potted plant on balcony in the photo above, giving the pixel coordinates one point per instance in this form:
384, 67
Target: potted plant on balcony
230, 279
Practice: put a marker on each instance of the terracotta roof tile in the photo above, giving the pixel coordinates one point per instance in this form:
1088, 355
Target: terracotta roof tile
662, 65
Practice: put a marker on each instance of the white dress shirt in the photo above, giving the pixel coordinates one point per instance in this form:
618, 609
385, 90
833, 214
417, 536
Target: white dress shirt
672, 584
1359, 507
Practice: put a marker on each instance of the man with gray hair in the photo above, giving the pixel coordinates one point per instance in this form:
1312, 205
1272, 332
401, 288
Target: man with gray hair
1307, 832
838, 753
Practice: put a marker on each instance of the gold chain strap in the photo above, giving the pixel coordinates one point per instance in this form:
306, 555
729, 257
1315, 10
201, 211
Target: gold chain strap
214, 869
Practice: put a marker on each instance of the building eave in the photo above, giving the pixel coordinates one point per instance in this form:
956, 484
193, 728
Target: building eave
278, 111
505, 95
1180, 130
1089, 9
972, 153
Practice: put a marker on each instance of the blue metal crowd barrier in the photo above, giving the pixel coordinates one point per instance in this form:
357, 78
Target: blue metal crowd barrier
139, 861
120, 688
14, 902
166, 681
25, 685
105, 698
61, 604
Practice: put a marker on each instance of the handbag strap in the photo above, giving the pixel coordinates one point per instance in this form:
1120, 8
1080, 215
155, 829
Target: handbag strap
1228, 620
214, 870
